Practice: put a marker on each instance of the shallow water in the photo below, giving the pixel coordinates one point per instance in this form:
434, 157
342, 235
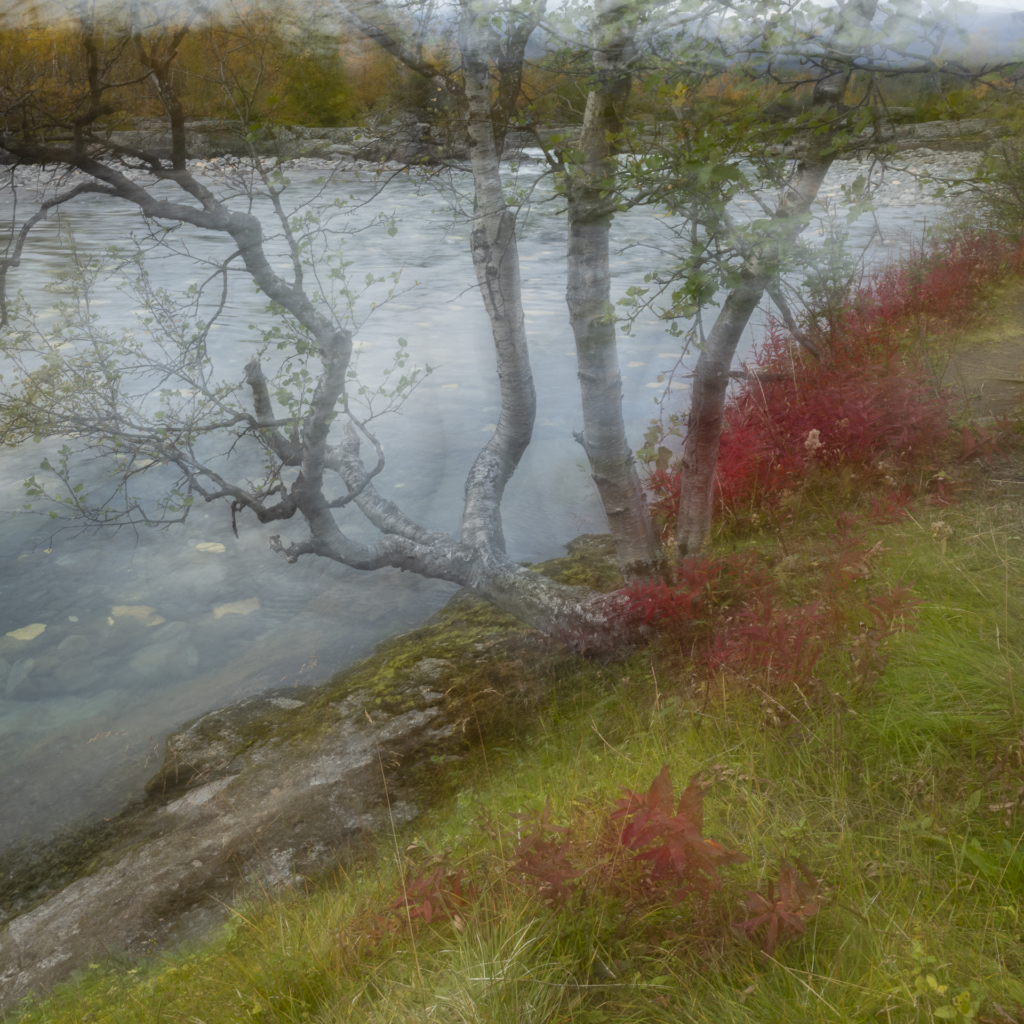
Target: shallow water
143, 632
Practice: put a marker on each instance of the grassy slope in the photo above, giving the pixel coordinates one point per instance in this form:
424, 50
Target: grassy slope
883, 800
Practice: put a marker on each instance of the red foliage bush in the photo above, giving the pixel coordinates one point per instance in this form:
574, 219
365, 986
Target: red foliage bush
789, 640
867, 402
682, 602
729, 610
543, 858
782, 911
671, 859
869, 398
436, 894
670, 837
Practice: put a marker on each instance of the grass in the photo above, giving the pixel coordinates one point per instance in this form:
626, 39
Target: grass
902, 798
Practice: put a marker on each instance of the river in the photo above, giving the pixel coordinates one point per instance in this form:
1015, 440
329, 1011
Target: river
144, 631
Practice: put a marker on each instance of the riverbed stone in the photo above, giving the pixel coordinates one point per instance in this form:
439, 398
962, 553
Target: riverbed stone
164, 662
75, 644
72, 676
168, 631
18, 685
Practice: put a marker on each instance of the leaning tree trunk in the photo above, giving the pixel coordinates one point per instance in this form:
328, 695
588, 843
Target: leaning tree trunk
589, 194
593, 623
711, 378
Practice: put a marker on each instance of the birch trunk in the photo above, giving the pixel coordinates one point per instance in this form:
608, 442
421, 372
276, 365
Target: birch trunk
711, 378
496, 263
588, 295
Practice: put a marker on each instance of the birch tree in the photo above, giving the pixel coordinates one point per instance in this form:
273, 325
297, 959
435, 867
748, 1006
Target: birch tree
92, 384
871, 37
97, 386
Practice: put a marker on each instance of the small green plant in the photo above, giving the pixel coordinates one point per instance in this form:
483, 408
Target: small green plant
928, 991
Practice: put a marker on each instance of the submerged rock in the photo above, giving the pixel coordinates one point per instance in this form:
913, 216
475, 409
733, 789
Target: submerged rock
165, 662
18, 686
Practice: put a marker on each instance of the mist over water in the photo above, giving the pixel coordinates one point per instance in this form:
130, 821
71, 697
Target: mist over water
146, 630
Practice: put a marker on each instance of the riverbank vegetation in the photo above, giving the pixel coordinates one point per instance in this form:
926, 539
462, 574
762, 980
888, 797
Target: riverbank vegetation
277, 62
802, 802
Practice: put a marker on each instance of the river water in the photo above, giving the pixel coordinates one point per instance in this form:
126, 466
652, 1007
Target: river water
145, 631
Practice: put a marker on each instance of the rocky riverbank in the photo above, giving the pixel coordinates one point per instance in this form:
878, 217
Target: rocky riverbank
406, 141
275, 790
928, 157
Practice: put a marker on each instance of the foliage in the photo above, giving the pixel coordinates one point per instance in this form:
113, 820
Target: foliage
870, 402
435, 895
1003, 199
541, 857
736, 617
672, 840
277, 62
782, 911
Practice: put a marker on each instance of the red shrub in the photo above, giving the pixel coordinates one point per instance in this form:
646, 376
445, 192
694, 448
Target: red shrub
670, 838
783, 911
869, 398
893, 509
680, 602
544, 859
435, 895
863, 404
788, 640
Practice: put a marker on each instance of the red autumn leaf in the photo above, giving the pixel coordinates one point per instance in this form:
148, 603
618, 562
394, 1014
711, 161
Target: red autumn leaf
785, 912
543, 859
434, 895
670, 837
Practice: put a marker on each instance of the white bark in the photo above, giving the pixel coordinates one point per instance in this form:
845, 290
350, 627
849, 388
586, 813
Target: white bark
759, 269
588, 295
496, 263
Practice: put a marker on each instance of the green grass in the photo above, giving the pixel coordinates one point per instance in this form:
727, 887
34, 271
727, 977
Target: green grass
895, 796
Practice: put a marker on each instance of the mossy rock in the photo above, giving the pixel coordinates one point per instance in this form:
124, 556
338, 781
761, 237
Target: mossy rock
284, 785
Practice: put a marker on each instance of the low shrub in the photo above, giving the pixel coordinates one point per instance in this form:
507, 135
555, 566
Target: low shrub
653, 851
871, 402
735, 617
